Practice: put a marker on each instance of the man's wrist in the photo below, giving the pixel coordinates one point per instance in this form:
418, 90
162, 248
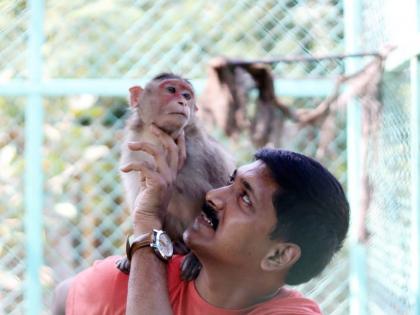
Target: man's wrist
145, 224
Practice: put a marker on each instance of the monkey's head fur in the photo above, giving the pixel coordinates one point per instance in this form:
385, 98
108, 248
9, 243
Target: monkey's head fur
167, 101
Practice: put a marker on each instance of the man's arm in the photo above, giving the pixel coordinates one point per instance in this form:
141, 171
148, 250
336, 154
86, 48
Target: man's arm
147, 286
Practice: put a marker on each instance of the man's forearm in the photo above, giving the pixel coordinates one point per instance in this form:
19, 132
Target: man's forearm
147, 285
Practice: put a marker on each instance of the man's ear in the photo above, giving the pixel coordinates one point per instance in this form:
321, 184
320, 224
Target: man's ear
280, 257
135, 92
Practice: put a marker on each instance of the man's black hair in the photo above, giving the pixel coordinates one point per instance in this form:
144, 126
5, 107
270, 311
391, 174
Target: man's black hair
312, 210
168, 75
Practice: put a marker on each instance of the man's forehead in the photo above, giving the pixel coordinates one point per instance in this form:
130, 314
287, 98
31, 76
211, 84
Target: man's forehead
257, 177
179, 82
255, 173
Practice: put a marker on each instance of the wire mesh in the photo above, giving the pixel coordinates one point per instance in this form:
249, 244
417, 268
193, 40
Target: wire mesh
388, 218
13, 39
152, 36
12, 237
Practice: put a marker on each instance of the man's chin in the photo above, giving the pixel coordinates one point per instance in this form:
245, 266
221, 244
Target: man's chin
197, 234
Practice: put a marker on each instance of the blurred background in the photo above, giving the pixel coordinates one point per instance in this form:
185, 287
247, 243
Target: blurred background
66, 66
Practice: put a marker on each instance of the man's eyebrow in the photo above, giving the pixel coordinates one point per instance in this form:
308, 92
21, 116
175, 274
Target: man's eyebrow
249, 189
247, 186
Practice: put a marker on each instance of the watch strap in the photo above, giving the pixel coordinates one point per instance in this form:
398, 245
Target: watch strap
137, 242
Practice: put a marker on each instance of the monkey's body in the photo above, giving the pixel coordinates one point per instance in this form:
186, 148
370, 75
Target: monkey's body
207, 166
168, 102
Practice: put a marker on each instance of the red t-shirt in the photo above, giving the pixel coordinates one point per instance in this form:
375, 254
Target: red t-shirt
102, 289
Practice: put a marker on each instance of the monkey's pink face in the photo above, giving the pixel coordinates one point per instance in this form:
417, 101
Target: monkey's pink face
176, 104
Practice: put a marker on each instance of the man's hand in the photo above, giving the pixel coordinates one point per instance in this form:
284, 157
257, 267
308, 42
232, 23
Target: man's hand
157, 179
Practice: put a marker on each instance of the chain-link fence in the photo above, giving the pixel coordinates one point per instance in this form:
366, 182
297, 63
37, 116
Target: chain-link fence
389, 223
84, 216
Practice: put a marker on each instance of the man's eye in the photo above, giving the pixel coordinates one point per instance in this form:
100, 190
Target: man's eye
246, 199
230, 180
187, 96
171, 89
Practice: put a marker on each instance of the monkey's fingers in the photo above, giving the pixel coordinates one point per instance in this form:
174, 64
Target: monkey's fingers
218, 62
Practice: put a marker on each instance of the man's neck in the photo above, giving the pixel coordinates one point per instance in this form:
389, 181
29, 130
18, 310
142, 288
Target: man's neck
235, 290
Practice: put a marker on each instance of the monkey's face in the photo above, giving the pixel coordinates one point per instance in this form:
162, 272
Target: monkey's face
174, 104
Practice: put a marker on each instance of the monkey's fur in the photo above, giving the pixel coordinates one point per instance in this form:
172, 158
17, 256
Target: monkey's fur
206, 166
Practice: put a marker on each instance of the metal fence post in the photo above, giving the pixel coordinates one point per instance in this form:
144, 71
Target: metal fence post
358, 290
33, 163
415, 166
415, 178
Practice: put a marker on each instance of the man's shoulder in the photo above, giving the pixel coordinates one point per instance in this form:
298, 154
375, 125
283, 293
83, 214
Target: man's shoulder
102, 288
93, 288
288, 302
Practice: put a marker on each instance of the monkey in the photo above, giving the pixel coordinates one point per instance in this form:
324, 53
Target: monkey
168, 102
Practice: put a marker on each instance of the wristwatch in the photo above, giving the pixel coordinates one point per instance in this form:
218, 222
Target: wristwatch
158, 240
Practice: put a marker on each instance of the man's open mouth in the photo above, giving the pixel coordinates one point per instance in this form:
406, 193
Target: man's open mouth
210, 216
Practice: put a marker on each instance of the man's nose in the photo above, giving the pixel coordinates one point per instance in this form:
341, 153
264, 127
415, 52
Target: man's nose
215, 198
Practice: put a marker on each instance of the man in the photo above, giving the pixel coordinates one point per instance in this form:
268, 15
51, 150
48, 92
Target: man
279, 221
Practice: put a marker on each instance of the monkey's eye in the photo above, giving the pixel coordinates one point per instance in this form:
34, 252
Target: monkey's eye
171, 89
187, 96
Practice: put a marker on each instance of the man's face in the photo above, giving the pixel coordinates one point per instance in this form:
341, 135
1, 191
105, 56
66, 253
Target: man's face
246, 216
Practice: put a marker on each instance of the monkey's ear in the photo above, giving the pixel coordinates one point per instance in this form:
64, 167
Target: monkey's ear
281, 257
135, 92
195, 107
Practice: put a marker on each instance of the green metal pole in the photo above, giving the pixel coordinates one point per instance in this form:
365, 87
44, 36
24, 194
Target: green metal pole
33, 164
358, 287
415, 179
415, 167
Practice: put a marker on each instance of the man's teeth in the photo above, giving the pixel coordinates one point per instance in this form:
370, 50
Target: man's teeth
207, 219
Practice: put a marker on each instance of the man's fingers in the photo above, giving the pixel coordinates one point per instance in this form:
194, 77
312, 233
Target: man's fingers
182, 150
159, 157
148, 172
138, 166
170, 146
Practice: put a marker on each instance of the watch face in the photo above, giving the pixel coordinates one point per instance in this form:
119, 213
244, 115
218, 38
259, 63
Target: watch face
164, 245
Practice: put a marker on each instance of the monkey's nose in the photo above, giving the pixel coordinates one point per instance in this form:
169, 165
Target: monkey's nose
181, 103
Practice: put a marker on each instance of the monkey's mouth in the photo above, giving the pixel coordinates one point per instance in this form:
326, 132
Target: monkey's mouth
210, 216
179, 114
